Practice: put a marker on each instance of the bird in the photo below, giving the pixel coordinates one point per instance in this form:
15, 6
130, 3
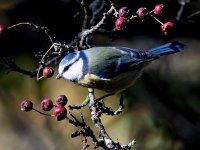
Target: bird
111, 69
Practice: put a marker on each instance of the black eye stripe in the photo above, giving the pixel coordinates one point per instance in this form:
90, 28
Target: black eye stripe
68, 66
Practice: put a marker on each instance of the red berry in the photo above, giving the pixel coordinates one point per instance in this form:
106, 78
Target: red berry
2, 29
61, 100
26, 105
121, 23
48, 72
142, 13
124, 12
159, 9
167, 27
60, 112
46, 104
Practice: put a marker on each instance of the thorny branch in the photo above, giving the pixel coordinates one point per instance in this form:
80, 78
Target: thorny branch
85, 130
97, 108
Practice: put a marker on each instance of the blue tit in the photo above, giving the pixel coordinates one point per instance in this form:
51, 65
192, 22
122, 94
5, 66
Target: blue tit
110, 69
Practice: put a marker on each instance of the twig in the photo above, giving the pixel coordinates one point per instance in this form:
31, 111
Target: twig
44, 29
180, 12
107, 95
12, 66
110, 111
96, 7
82, 35
95, 115
86, 16
96, 110
41, 112
85, 130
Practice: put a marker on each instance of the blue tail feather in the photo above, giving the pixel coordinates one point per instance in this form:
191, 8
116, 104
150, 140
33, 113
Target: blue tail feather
169, 48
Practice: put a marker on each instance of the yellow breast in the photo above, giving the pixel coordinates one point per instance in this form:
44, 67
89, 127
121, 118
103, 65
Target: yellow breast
113, 85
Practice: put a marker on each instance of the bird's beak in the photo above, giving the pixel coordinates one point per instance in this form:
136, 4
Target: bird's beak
58, 76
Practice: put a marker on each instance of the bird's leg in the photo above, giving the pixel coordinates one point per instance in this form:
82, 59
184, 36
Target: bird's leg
83, 104
92, 97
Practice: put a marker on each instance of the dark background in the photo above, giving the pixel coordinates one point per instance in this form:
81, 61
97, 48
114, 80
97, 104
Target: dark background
162, 108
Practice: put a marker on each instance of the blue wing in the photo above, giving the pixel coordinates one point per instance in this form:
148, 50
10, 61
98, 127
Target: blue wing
134, 59
110, 62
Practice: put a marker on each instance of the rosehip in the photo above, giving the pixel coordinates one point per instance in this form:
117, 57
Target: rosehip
48, 71
142, 13
26, 105
159, 9
124, 12
167, 27
61, 100
121, 23
60, 112
46, 104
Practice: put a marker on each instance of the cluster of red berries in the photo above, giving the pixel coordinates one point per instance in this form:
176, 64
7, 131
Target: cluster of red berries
125, 16
59, 111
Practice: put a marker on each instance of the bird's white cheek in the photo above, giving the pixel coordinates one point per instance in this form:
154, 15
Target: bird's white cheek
60, 70
75, 72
